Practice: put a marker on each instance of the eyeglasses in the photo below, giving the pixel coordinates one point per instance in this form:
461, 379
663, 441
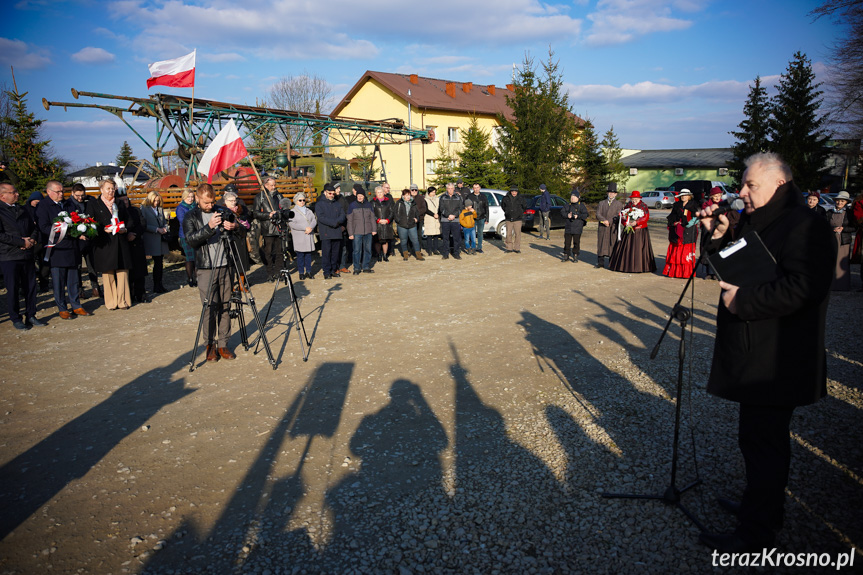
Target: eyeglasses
299, 200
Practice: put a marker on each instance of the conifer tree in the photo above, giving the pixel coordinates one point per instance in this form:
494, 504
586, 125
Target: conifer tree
125, 156
754, 134
445, 167
477, 162
796, 126
590, 164
615, 170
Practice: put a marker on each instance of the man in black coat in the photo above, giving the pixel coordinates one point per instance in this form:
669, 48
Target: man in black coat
77, 202
513, 213
63, 255
17, 244
480, 204
264, 209
449, 207
760, 332
331, 220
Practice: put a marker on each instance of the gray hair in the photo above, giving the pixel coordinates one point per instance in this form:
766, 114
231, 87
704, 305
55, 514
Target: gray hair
268, 178
379, 188
230, 196
769, 161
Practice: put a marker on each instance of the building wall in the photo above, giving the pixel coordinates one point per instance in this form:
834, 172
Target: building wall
374, 102
650, 178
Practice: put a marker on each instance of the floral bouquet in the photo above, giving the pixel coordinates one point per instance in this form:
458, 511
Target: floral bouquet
630, 216
75, 225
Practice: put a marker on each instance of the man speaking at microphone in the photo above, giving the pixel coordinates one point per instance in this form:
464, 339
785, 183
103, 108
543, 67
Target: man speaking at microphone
769, 349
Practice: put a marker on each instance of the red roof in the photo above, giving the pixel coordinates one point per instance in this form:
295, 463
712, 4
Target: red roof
434, 94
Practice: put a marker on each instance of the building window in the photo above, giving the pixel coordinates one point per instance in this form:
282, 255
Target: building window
430, 166
452, 135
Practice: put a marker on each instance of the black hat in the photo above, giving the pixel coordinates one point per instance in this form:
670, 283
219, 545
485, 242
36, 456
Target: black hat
359, 188
542, 187
575, 193
459, 181
513, 188
612, 187
336, 185
329, 188
229, 188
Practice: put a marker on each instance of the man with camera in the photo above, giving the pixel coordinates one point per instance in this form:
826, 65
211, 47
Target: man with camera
264, 210
204, 226
760, 332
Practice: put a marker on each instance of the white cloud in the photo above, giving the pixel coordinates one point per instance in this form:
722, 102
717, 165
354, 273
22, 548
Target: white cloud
91, 55
619, 21
224, 57
22, 55
654, 92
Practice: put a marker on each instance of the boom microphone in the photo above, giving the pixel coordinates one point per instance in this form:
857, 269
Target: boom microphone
285, 204
734, 206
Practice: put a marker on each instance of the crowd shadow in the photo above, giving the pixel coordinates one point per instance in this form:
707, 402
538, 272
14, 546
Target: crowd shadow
34, 477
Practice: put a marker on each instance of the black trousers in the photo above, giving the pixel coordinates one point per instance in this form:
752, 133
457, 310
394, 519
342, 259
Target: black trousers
330, 255
764, 440
450, 231
575, 241
272, 252
20, 276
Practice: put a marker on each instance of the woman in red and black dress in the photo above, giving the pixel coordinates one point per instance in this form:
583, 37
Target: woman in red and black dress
633, 253
680, 258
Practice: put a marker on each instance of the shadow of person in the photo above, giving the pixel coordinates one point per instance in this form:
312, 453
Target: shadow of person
32, 478
259, 509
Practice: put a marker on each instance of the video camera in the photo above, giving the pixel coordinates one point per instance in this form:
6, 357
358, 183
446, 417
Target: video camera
227, 214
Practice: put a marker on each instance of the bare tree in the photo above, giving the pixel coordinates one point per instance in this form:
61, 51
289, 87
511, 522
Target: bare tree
307, 93
5, 112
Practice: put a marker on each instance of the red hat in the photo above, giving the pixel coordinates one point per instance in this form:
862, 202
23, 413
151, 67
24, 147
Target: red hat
716, 190
814, 193
635, 194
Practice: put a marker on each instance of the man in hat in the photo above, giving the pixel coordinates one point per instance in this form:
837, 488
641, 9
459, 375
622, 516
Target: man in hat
513, 212
606, 215
760, 332
345, 254
544, 212
264, 210
331, 219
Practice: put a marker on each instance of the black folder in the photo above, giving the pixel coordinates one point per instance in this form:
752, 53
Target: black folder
746, 262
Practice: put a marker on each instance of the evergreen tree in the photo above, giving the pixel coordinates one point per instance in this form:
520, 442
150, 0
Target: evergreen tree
318, 139
537, 145
590, 164
27, 154
615, 170
445, 167
796, 126
125, 156
754, 133
263, 143
364, 170
476, 161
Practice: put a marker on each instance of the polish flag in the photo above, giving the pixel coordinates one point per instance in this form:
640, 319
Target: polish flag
176, 73
223, 152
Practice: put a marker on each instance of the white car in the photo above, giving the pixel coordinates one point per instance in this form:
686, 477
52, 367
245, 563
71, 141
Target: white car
494, 223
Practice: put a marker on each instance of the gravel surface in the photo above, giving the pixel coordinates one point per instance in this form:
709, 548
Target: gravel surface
453, 417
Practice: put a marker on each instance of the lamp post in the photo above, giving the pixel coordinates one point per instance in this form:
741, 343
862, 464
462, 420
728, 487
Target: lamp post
410, 142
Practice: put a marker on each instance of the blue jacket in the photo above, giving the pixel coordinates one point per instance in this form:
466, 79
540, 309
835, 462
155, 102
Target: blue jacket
331, 217
545, 202
65, 254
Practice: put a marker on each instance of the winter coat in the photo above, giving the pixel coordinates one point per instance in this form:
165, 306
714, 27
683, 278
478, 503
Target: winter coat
331, 218
513, 207
154, 245
182, 209
576, 224
545, 202
65, 254
641, 222
198, 236
771, 352
384, 210
422, 207
449, 206
303, 218
467, 218
841, 219
15, 225
406, 214
678, 220
110, 251
265, 203
361, 219
431, 226
136, 226
480, 204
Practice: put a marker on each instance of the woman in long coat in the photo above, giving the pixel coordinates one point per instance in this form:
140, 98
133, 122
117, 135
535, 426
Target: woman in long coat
432, 222
680, 257
843, 228
111, 254
303, 226
155, 236
385, 212
633, 253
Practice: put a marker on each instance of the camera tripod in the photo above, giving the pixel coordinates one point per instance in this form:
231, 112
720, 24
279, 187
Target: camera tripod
228, 248
285, 277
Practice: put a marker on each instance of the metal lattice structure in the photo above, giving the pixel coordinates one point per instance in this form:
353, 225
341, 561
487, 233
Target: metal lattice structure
185, 125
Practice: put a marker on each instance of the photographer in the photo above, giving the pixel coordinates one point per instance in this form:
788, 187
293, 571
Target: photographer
238, 210
203, 227
760, 332
264, 210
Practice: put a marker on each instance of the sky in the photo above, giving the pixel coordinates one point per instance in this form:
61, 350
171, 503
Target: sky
664, 73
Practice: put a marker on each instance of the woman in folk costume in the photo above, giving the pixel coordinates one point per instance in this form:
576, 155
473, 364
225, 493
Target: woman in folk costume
843, 228
633, 252
680, 258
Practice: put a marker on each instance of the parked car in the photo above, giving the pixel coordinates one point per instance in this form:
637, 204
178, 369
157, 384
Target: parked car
658, 199
494, 223
531, 213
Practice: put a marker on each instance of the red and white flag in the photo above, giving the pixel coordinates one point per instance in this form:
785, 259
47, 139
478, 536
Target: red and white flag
224, 151
176, 73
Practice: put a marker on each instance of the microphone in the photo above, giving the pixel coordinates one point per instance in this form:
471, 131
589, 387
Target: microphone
285, 204
734, 206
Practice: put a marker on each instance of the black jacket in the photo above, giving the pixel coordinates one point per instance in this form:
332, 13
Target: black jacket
450, 206
406, 217
110, 251
64, 254
15, 224
771, 352
579, 213
384, 210
513, 207
480, 204
261, 209
198, 235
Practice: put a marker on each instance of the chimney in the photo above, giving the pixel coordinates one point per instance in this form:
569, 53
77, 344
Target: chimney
415, 79
491, 89
450, 89
510, 87
467, 87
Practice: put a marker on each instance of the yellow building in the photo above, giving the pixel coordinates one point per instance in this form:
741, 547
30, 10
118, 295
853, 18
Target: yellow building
441, 105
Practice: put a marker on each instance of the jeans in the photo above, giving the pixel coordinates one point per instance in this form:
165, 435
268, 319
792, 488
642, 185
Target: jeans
64, 278
347, 253
469, 238
362, 251
406, 234
304, 262
450, 231
480, 226
545, 224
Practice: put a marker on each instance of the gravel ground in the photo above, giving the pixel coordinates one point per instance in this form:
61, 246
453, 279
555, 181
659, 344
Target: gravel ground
453, 417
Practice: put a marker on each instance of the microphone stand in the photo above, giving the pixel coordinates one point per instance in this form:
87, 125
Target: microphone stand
671, 495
